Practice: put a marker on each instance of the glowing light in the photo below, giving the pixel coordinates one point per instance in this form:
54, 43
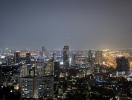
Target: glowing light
119, 55
61, 75
70, 60
104, 62
16, 87
11, 91
2, 57
131, 64
17, 51
61, 63
105, 50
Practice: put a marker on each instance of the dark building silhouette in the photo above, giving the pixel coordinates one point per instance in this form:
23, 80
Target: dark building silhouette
28, 58
122, 64
66, 56
56, 69
17, 57
90, 58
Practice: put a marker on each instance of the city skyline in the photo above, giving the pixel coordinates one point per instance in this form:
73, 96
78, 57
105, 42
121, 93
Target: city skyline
53, 24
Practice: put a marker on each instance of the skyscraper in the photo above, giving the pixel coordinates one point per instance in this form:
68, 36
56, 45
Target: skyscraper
90, 58
44, 52
122, 64
98, 57
34, 83
17, 57
66, 56
28, 58
56, 69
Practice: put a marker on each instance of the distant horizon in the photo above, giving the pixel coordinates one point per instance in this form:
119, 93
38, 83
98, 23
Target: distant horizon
62, 49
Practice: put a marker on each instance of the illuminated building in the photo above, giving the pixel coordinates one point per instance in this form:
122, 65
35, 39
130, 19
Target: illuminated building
73, 59
44, 51
58, 55
28, 58
17, 57
80, 60
98, 57
38, 87
49, 68
90, 58
42, 88
34, 83
66, 56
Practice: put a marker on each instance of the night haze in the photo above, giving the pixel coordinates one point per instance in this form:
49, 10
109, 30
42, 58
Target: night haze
88, 24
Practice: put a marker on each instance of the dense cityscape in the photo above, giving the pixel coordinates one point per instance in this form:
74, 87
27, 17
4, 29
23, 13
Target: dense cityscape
65, 49
65, 74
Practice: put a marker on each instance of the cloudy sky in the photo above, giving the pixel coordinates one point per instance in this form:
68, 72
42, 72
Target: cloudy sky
81, 24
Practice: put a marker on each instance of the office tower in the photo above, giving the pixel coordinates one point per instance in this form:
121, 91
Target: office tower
56, 69
122, 64
90, 58
56, 76
73, 59
58, 54
44, 52
28, 58
17, 57
98, 57
66, 56
49, 69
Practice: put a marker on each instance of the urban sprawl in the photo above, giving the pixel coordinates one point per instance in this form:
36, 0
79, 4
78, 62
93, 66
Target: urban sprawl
65, 74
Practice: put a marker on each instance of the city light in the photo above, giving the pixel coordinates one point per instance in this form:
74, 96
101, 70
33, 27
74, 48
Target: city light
16, 87
65, 50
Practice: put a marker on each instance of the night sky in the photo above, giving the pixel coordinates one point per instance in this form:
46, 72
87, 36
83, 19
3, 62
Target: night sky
81, 24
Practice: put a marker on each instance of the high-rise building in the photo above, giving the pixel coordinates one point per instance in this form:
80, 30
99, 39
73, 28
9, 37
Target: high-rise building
44, 52
98, 57
49, 69
28, 58
122, 64
37, 87
34, 83
17, 57
66, 56
73, 59
56, 69
90, 58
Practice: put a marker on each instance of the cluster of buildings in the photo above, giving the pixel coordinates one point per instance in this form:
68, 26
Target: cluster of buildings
43, 74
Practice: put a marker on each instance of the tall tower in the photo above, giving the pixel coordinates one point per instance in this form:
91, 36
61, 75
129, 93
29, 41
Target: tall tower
17, 57
91, 60
35, 84
28, 58
44, 52
122, 64
66, 56
90, 57
99, 57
